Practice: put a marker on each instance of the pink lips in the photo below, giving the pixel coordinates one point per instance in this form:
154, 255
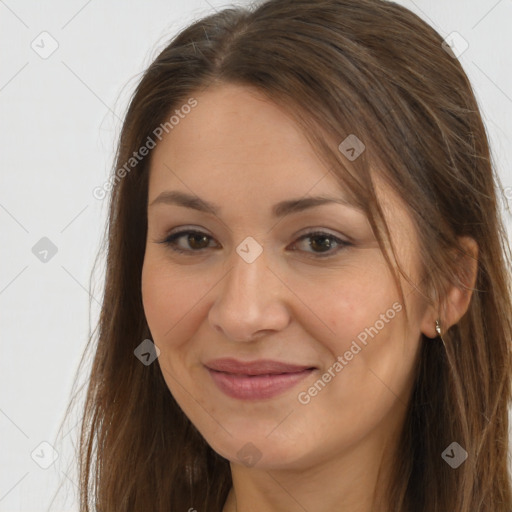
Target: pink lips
255, 380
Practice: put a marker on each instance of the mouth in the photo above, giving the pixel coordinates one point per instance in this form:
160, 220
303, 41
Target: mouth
256, 380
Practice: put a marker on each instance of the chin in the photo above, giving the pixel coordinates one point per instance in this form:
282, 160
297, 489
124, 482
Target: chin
260, 452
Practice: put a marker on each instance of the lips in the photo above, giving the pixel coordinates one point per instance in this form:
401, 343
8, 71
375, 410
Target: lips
255, 380
259, 367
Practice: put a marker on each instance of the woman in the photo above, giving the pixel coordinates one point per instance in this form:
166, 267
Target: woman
307, 304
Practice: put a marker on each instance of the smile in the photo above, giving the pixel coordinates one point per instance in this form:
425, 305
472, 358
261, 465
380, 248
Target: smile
256, 380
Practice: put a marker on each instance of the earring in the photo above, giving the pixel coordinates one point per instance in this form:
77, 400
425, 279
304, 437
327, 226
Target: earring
438, 328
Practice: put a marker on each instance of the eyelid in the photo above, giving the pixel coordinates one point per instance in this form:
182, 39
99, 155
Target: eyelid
176, 234
323, 231
342, 243
300, 234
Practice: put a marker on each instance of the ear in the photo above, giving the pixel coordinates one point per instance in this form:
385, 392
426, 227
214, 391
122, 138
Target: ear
450, 309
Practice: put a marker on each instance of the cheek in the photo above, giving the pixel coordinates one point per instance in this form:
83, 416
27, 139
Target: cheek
168, 300
171, 306
353, 302
370, 344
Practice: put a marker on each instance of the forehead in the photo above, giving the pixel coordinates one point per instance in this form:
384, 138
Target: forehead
238, 147
236, 138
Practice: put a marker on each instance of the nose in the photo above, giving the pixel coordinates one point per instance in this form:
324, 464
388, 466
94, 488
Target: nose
251, 301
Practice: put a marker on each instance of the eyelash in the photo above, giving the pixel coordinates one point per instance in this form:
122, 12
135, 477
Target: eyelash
170, 242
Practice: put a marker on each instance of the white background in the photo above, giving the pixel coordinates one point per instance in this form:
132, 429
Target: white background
60, 117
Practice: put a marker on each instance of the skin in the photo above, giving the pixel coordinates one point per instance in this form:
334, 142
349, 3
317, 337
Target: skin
244, 153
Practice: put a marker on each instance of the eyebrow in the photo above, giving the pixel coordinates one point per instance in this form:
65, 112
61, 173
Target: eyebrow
281, 209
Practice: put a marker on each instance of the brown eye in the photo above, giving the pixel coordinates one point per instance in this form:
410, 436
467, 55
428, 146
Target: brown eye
321, 242
195, 241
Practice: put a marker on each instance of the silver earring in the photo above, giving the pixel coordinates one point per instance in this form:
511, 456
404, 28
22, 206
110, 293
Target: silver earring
438, 328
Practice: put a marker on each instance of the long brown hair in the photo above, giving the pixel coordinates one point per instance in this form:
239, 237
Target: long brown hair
368, 68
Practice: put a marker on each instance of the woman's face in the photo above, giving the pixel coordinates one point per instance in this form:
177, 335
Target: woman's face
274, 276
